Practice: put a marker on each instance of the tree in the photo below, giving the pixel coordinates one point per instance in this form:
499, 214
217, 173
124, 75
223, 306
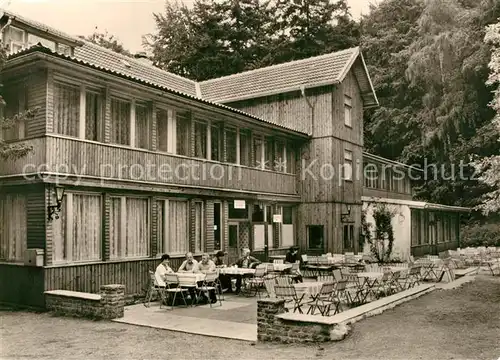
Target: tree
9, 151
489, 167
305, 28
108, 41
223, 37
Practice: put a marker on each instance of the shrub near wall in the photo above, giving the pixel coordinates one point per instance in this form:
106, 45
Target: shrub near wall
480, 235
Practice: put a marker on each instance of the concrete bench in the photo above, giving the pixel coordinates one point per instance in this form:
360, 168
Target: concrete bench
109, 304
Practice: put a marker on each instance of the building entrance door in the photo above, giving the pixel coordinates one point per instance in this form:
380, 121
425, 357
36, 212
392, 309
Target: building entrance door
233, 252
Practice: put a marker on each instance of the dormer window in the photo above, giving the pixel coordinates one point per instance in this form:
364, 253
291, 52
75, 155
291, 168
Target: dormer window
18, 39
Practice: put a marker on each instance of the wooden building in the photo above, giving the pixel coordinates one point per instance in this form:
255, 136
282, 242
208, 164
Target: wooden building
154, 163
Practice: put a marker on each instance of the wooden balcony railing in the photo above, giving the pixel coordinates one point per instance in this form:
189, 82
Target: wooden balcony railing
108, 162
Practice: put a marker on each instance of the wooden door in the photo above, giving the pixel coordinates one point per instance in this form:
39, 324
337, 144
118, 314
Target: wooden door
233, 251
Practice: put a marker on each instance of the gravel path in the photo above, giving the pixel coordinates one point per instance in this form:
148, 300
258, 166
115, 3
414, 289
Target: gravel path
462, 323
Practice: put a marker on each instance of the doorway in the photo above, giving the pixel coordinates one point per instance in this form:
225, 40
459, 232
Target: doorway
217, 227
233, 252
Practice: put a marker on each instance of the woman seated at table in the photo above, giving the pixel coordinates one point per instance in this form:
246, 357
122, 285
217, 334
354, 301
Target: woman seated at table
245, 262
291, 257
225, 280
204, 266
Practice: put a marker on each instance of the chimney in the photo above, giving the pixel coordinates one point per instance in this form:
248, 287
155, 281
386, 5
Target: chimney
142, 57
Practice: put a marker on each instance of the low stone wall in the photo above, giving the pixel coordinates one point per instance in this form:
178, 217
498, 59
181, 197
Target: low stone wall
109, 304
275, 325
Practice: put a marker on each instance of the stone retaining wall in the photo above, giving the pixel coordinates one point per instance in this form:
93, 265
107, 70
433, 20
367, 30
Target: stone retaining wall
109, 304
270, 327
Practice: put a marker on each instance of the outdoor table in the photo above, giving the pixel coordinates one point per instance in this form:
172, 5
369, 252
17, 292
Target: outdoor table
236, 271
309, 288
370, 279
277, 257
281, 267
188, 279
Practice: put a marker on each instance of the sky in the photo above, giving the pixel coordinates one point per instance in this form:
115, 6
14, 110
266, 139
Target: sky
127, 20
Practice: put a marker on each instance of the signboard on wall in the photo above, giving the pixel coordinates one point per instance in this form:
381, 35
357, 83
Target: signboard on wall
277, 218
239, 204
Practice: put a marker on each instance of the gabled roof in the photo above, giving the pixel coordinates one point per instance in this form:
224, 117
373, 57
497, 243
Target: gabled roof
328, 69
43, 51
108, 59
15, 18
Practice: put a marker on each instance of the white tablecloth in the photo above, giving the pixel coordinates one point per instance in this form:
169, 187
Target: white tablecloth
236, 271
308, 288
281, 267
186, 278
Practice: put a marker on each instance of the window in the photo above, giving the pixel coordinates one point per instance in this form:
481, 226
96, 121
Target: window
64, 49
215, 142
280, 156
142, 128
244, 148
200, 139
66, 109
348, 237
287, 227
258, 213
371, 176
347, 168
16, 99
13, 220
93, 115
199, 233
315, 237
290, 159
237, 213
33, 40
120, 122
347, 111
162, 130
14, 38
76, 235
269, 154
172, 227
287, 215
231, 146
129, 227
415, 227
182, 128
258, 152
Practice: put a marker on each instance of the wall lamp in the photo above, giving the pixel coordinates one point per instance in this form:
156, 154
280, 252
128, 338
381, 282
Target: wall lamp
344, 217
56, 195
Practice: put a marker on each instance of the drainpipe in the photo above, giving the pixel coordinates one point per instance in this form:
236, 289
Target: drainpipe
311, 106
7, 24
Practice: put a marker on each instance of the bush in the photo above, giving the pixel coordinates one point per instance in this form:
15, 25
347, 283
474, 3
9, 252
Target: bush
474, 235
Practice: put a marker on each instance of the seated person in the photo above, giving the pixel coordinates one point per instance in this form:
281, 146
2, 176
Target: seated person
189, 264
162, 269
225, 280
204, 266
219, 259
292, 256
245, 262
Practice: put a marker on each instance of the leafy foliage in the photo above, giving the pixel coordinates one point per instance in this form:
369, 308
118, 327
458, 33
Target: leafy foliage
223, 37
108, 41
382, 242
477, 234
429, 63
9, 151
489, 167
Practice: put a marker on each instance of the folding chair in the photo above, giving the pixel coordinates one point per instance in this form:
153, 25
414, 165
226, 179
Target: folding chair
208, 285
341, 295
219, 285
289, 294
256, 281
354, 287
322, 300
269, 283
173, 286
337, 274
414, 276
154, 289
394, 285
384, 284
283, 280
